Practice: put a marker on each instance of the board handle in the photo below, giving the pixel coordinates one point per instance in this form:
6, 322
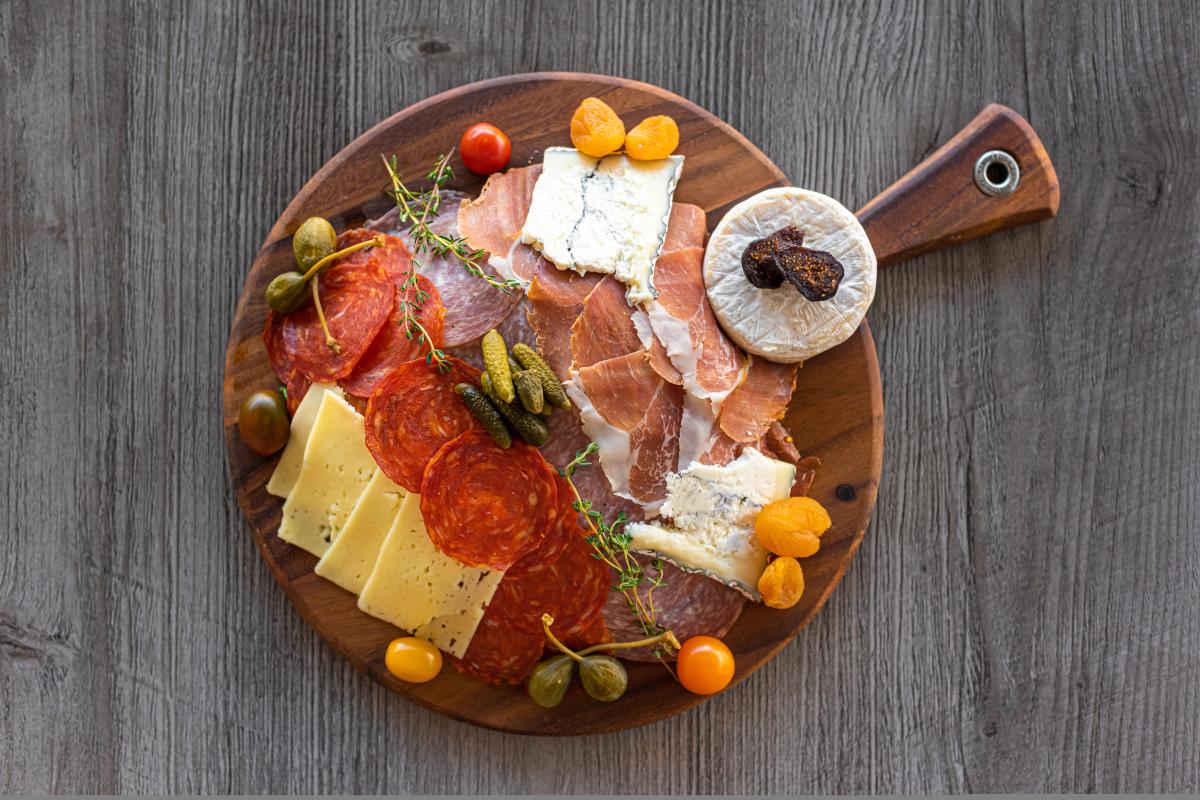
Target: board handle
993, 174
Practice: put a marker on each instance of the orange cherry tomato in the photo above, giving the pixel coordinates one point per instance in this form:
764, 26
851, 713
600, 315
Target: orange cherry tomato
705, 665
413, 660
485, 149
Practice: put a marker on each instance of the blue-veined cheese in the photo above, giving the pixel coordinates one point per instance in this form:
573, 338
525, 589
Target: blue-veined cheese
337, 468
288, 468
605, 215
709, 518
351, 557
416, 587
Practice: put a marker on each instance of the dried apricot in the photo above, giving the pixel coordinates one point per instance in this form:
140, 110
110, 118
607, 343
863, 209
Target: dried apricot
652, 138
782, 583
792, 526
596, 130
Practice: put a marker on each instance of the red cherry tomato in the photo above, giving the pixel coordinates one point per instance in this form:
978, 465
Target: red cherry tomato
485, 149
704, 665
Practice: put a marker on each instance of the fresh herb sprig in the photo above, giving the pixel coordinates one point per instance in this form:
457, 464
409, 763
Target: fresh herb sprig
611, 544
412, 324
417, 208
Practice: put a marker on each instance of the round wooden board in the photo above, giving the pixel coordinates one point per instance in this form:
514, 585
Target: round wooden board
837, 413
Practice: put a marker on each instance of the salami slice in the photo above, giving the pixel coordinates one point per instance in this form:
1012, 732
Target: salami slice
552, 546
500, 653
413, 412
356, 295
486, 506
285, 367
393, 345
596, 632
571, 588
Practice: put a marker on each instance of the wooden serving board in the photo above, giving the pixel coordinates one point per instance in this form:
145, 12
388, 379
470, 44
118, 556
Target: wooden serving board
837, 413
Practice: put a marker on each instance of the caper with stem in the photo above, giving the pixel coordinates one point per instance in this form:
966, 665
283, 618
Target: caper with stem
312, 241
287, 291
603, 677
550, 679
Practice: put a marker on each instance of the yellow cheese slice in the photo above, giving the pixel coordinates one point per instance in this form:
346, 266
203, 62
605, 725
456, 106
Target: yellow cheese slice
288, 468
417, 588
337, 468
349, 560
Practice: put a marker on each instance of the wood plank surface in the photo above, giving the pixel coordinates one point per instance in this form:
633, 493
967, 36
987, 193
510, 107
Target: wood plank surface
1025, 611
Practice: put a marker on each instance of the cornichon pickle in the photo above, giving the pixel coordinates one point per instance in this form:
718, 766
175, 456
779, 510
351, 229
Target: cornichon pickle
551, 385
527, 426
485, 412
529, 389
513, 365
495, 361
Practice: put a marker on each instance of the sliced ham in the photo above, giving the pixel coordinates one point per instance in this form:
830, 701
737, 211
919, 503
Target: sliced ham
633, 414
761, 399
473, 307
710, 364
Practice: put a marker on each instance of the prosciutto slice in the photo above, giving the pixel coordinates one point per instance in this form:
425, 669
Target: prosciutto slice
710, 364
761, 399
556, 299
633, 414
493, 221
686, 227
473, 307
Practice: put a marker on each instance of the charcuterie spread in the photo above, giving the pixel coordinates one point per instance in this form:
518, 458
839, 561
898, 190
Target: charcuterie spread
539, 430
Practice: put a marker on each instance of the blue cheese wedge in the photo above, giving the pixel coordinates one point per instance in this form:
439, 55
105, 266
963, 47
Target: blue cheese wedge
337, 468
288, 468
416, 587
606, 215
709, 519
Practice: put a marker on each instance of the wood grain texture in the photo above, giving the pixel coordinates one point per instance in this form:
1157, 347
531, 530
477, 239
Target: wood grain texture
837, 418
1022, 614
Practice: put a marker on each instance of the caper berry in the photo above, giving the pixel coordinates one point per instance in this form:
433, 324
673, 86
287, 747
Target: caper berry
603, 677
550, 679
263, 422
286, 292
312, 241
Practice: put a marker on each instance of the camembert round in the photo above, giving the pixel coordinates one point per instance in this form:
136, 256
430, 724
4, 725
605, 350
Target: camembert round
781, 324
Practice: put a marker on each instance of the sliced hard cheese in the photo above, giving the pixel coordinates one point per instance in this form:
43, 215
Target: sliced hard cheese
711, 511
603, 215
417, 588
288, 468
337, 467
350, 559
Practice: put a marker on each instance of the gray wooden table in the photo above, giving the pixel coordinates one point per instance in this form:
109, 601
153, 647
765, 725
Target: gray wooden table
1025, 612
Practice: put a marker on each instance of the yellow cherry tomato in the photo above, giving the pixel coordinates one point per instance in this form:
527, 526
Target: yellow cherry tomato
413, 660
704, 665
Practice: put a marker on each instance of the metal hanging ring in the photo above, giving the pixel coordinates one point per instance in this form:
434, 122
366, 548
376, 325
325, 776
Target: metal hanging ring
997, 173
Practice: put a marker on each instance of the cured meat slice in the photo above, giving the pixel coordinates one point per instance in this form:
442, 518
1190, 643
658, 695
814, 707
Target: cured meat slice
687, 227
710, 364
413, 412
605, 327
356, 294
563, 529
571, 588
394, 345
633, 414
762, 398
556, 299
514, 328
500, 653
596, 632
485, 506
688, 604
779, 441
493, 221
294, 381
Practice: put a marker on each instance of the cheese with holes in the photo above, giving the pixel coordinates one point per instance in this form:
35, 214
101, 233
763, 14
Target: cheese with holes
417, 588
604, 215
337, 468
351, 557
711, 512
288, 468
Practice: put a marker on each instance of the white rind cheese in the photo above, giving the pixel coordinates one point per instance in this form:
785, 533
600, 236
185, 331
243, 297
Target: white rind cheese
351, 557
417, 588
605, 215
288, 468
337, 468
711, 512
780, 324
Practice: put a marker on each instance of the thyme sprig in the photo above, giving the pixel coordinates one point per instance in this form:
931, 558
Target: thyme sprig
610, 541
417, 208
